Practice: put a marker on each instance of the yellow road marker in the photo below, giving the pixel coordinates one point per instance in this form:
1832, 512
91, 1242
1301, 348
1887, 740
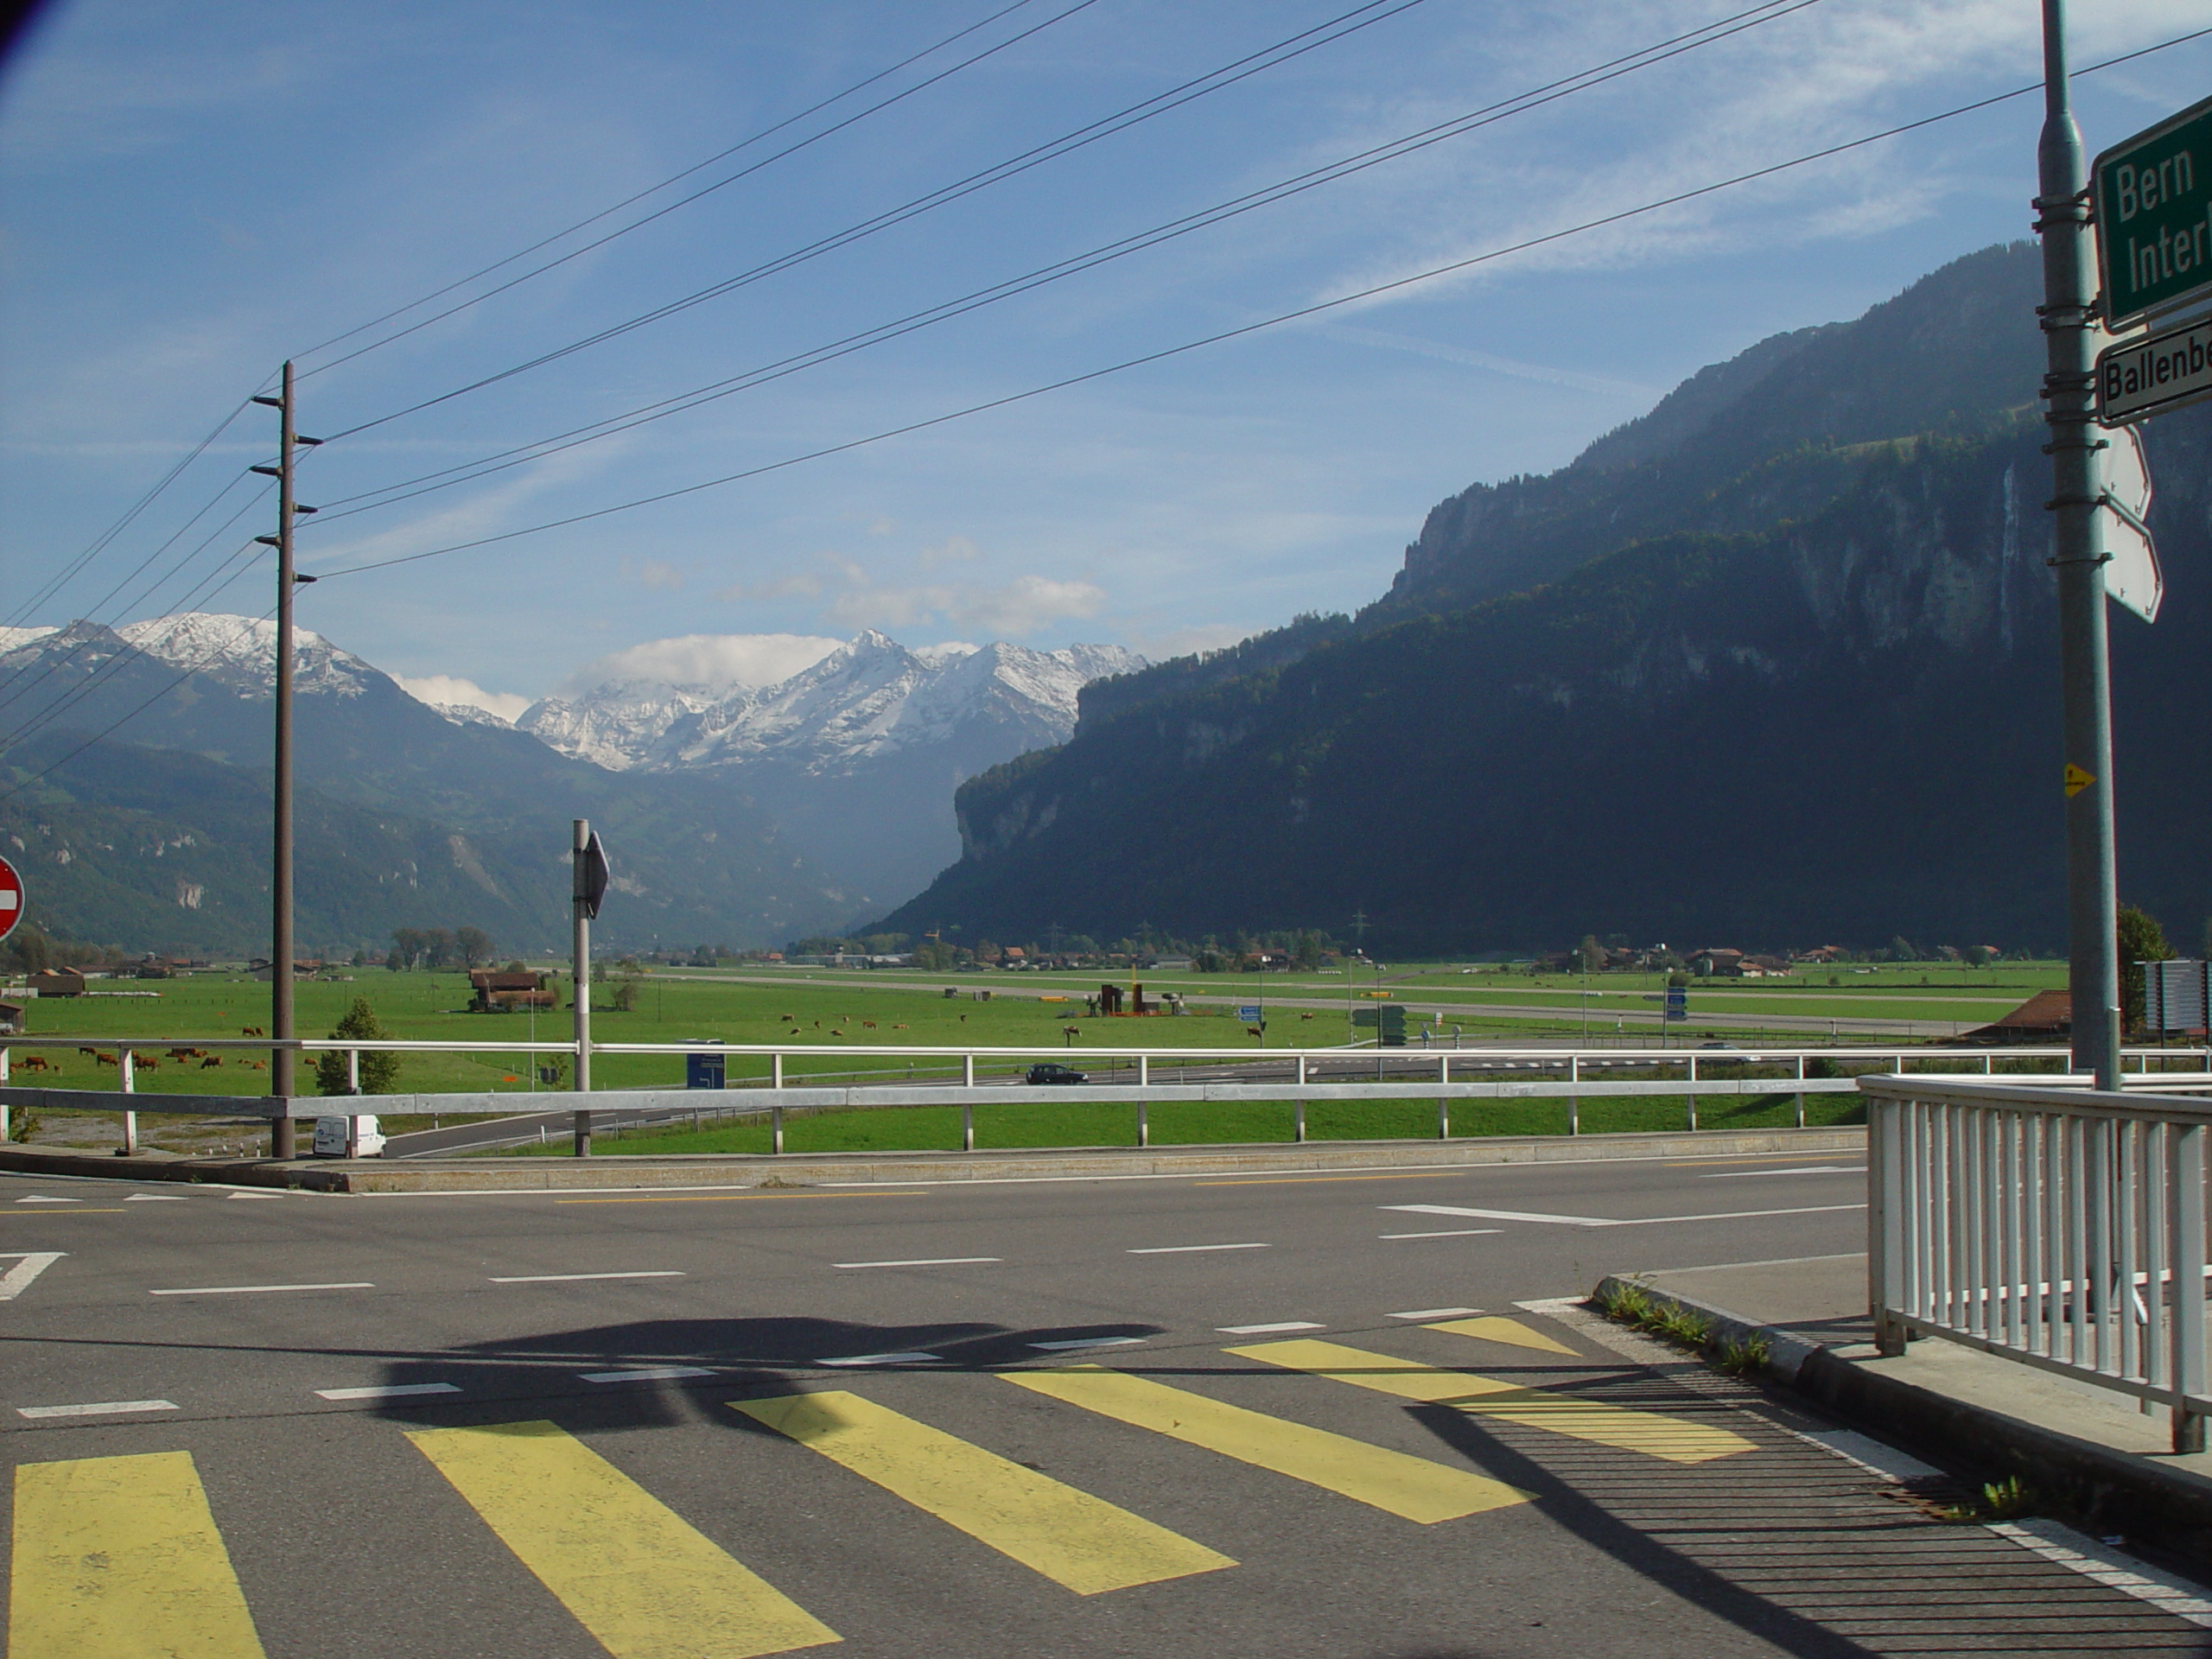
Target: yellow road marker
1393, 1481
1674, 1439
118, 1558
635, 1573
1495, 1329
1071, 1537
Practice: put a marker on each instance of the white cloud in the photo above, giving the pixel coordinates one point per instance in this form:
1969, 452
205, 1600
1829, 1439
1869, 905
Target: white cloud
718, 662
1007, 609
451, 687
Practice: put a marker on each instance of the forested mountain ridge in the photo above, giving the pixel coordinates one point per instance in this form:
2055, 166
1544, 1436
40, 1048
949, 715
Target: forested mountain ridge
1783, 682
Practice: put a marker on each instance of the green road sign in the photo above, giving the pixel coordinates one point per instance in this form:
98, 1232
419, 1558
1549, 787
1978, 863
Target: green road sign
2154, 216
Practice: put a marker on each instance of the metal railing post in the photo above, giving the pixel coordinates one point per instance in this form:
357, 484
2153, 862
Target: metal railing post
128, 1077
967, 1126
353, 1071
1693, 1093
2187, 1254
1885, 1224
776, 1129
1444, 1117
1144, 1071
1801, 1093
1144, 1126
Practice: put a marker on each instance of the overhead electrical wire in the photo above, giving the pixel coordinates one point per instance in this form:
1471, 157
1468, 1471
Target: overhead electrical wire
661, 212
1376, 155
1317, 309
673, 179
54, 584
1213, 80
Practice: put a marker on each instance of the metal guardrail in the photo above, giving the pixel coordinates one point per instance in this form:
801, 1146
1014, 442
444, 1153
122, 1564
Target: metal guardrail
2060, 1228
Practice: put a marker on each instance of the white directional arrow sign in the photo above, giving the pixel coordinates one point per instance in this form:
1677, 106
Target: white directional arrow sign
2133, 577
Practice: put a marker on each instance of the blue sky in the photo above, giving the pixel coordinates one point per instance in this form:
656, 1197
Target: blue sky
190, 193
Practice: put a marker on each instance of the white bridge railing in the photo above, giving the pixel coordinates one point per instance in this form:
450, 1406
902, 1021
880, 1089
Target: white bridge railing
2060, 1228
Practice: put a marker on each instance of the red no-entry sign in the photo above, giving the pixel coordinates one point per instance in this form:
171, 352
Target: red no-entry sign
12, 898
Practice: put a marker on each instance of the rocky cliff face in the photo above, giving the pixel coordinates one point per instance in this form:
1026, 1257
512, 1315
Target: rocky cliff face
1787, 688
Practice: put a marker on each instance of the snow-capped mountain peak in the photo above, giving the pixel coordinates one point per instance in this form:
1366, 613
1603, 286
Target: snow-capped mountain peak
241, 652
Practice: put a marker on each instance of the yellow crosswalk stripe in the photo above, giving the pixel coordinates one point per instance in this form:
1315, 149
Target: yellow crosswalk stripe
1403, 1484
1071, 1537
1674, 1439
118, 1558
635, 1573
1495, 1329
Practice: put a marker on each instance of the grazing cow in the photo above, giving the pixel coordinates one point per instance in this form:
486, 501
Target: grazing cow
868, 1024
1070, 1031
963, 1018
251, 1030
817, 1025
259, 1065
145, 1063
899, 1027
792, 1017
211, 1060
94, 1053
35, 1063
834, 1031
100, 1058
1305, 1016
1253, 1030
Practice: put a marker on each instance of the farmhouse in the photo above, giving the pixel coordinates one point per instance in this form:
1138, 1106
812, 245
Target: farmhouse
497, 991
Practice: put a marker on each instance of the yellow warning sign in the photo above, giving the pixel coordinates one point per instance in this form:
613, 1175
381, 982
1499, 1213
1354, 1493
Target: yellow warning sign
2076, 781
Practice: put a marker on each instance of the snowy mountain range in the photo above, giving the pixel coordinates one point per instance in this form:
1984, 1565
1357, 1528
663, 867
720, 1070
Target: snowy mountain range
854, 759
866, 700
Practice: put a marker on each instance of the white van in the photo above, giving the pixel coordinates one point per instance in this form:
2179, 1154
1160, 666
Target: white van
332, 1133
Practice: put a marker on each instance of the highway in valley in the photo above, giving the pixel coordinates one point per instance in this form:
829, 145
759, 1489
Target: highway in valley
1357, 1415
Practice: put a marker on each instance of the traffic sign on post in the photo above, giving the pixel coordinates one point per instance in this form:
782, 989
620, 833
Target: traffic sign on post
12, 898
2153, 195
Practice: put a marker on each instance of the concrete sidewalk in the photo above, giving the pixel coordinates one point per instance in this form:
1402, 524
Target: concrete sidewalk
2093, 1456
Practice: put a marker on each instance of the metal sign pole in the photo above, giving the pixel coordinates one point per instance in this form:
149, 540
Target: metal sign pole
580, 906
2092, 902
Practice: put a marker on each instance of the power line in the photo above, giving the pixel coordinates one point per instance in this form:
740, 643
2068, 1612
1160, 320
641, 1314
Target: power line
1105, 126
55, 583
744, 172
1316, 308
674, 178
1396, 149
112, 725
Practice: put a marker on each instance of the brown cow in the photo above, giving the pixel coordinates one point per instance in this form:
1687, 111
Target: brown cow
251, 1030
1305, 1016
211, 1060
35, 1063
868, 1025
100, 1058
1253, 1030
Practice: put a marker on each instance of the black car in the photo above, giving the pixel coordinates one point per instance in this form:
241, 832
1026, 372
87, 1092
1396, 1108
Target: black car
1050, 1071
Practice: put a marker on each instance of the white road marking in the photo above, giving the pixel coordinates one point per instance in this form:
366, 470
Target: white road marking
563, 1278
1185, 1250
388, 1391
40, 1197
157, 1198
1612, 1221
98, 1409
257, 1195
647, 1373
2166, 1590
1437, 1313
879, 1359
1808, 1169
922, 1261
1268, 1330
29, 1265
1130, 1342
1455, 1232
251, 1290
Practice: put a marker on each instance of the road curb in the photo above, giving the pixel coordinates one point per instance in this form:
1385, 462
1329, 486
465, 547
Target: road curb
808, 1169
2103, 1490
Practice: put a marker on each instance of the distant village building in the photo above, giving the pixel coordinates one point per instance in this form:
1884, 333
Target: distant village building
1718, 964
2047, 1017
57, 982
498, 990
11, 1019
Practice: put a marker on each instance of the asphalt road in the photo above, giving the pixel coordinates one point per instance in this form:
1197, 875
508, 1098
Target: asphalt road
1275, 1415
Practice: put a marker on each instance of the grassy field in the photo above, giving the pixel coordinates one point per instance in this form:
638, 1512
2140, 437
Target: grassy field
1086, 1123
830, 1010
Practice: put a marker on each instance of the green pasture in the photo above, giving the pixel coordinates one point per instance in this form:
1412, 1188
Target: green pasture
1040, 1123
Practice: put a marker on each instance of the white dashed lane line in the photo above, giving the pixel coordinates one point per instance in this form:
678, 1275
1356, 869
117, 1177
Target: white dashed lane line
646, 1374
1190, 1249
252, 1290
1268, 1330
97, 1408
924, 1261
565, 1278
388, 1391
